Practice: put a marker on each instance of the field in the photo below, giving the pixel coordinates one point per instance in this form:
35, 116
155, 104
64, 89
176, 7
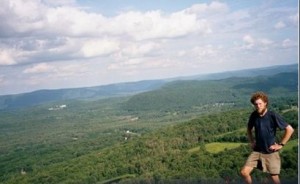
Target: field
217, 147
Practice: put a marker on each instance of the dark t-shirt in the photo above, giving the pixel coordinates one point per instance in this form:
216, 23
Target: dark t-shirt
265, 129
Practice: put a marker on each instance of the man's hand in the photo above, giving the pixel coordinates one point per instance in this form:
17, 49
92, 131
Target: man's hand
275, 147
252, 144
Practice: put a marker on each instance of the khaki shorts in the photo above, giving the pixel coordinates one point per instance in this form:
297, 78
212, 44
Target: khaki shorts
269, 163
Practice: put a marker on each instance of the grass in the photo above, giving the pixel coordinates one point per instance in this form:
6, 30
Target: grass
195, 149
217, 147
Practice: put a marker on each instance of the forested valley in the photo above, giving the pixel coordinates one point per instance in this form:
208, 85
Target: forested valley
184, 132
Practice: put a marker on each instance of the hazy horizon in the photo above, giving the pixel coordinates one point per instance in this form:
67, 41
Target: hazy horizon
170, 78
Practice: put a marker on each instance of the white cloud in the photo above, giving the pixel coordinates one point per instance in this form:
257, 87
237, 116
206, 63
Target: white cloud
203, 10
21, 16
24, 18
295, 19
60, 2
181, 53
249, 41
142, 64
125, 65
204, 51
6, 57
99, 47
287, 43
39, 68
139, 49
78, 22
256, 43
72, 27
265, 41
280, 25
43, 74
71, 70
155, 24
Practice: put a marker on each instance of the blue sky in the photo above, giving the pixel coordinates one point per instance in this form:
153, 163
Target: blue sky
53, 44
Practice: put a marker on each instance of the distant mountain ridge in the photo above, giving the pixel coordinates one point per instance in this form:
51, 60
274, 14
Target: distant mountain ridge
128, 88
188, 94
98, 92
266, 71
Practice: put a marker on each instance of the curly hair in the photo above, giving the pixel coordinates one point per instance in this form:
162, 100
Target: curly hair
259, 95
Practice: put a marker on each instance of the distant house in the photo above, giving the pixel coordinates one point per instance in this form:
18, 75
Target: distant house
63, 106
23, 172
129, 134
134, 119
57, 107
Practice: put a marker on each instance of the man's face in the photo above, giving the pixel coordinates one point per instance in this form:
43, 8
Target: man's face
260, 106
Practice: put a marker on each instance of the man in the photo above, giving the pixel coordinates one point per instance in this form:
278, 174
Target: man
265, 155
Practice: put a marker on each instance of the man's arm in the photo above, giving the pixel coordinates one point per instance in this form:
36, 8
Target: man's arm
250, 137
286, 137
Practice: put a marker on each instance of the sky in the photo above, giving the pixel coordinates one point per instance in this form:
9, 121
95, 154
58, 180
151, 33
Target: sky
54, 44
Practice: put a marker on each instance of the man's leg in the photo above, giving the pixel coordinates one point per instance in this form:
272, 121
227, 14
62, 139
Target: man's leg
245, 172
250, 164
275, 178
273, 163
